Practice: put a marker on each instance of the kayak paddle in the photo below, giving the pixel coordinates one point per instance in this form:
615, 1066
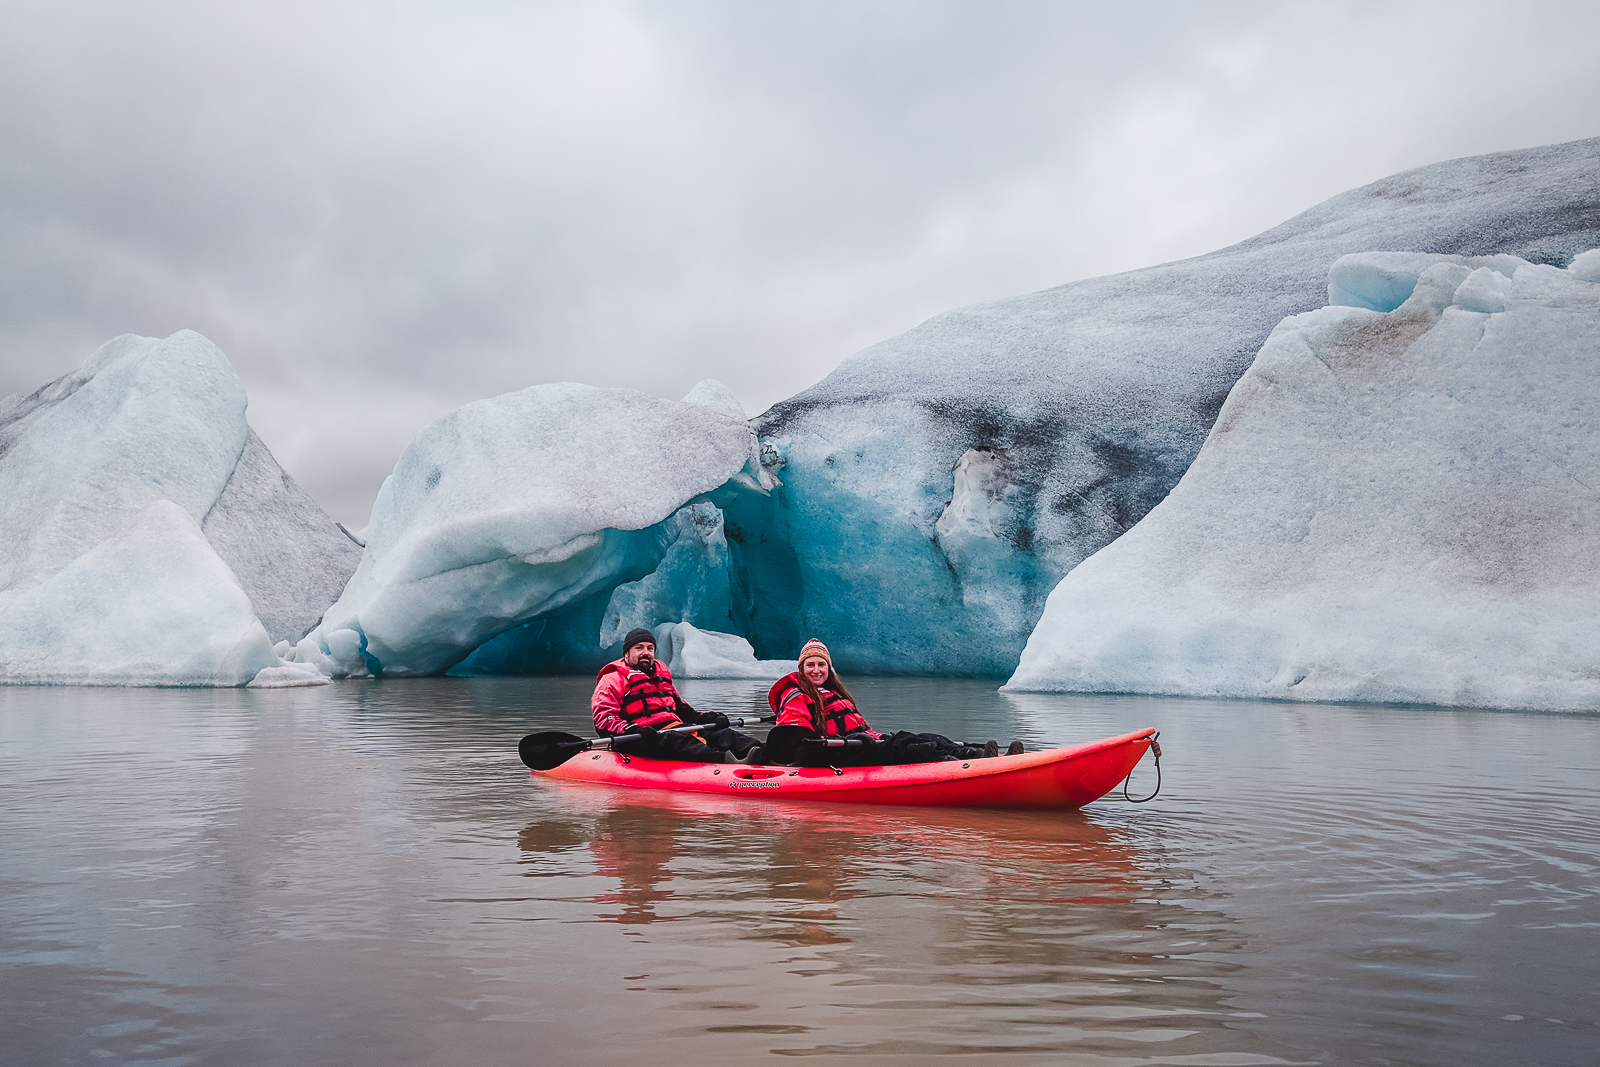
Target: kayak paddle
550, 749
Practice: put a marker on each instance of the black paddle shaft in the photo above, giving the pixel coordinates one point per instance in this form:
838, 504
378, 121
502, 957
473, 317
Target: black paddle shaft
551, 748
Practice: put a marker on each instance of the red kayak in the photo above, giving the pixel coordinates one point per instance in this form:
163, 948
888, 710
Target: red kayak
1055, 778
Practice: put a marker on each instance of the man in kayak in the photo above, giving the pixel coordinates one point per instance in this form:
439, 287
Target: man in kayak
635, 695
812, 704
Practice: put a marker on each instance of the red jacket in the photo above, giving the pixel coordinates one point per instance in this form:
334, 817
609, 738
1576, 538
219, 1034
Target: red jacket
793, 708
625, 697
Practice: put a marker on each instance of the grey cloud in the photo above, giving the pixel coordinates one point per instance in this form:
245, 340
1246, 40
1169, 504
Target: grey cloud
381, 211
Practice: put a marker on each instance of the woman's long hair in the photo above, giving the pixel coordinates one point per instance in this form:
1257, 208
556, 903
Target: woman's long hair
814, 694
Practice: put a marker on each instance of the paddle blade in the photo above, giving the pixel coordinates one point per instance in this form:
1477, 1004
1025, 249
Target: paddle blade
548, 750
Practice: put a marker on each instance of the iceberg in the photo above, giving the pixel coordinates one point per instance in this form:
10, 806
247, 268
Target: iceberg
499, 542
691, 652
150, 605
1398, 502
287, 553
82, 458
82, 462
938, 485
691, 584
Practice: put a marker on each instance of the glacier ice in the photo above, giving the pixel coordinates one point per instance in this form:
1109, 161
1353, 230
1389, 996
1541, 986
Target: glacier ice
1587, 265
152, 604
708, 392
497, 543
938, 485
690, 652
1393, 505
145, 420
140, 421
336, 654
288, 554
691, 583
287, 674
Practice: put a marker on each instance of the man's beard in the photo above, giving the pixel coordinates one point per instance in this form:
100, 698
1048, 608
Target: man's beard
646, 664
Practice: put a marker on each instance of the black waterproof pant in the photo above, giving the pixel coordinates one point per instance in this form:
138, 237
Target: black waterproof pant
904, 747
896, 748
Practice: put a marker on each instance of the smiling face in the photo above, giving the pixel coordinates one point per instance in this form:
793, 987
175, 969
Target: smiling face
815, 669
643, 653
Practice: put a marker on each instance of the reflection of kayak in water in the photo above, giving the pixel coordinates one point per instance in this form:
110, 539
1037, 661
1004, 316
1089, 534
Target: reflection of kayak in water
1055, 778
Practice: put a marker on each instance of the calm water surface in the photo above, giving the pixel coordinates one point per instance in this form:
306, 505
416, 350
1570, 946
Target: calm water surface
364, 874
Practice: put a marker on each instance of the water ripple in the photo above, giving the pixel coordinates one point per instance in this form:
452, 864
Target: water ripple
364, 874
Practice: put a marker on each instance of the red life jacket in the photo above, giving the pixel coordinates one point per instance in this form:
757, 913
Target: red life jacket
648, 699
839, 714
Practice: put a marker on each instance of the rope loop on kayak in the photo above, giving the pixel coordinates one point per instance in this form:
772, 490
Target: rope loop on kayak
1155, 748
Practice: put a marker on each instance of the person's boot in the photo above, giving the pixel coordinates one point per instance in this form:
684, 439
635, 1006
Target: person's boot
1015, 749
991, 749
755, 755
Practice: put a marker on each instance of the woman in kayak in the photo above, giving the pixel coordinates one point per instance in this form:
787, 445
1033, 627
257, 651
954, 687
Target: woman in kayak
813, 704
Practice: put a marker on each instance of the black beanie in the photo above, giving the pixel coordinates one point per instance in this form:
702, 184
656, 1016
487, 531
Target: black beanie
636, 635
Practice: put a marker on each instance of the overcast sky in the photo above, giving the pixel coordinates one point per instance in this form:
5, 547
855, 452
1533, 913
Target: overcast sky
381, 211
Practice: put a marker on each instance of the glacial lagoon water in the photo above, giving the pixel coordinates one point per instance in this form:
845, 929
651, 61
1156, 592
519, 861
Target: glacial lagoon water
364, 874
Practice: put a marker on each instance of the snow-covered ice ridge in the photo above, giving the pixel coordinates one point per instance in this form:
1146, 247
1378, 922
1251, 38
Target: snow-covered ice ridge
147, 536
938, 485
1400, 501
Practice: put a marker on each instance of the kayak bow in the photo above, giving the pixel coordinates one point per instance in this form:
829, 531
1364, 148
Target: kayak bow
1055, 778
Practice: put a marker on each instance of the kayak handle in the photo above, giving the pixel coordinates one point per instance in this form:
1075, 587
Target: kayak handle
834, 742
1155, 749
